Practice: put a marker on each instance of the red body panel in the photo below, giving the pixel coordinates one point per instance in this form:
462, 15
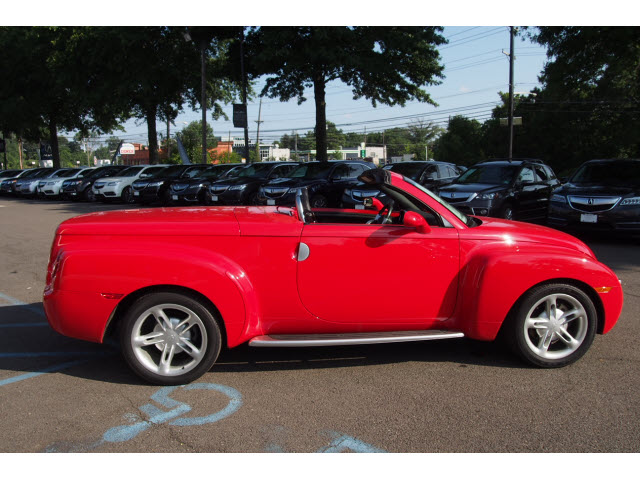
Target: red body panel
357, 277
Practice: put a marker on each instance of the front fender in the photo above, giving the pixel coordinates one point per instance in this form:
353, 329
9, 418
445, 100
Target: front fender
495, 276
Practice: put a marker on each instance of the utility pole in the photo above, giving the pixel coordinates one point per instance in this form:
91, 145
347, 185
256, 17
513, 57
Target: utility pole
511, 61
259, 121
244, 93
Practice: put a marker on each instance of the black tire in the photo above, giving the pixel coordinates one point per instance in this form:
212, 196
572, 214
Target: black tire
545, 339
146, 360
204, 197
88, 195
253, 199
506, 212
127, 195
319, 201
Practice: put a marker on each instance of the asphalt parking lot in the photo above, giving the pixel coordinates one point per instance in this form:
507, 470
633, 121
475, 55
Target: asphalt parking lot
62, 395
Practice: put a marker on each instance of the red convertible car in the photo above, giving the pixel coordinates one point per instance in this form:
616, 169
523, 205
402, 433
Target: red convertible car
178, 284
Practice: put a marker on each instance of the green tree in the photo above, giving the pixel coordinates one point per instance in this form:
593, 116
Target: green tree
191, 138
388, 65
588, 105
51, 83
461, 143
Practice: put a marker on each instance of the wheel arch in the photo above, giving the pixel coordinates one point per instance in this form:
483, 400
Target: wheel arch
582, 286
111, 330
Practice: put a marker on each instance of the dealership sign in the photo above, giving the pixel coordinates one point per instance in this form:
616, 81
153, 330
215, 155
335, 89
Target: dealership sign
127, 149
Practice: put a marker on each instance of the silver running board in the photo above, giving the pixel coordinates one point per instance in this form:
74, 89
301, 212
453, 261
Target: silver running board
328, 339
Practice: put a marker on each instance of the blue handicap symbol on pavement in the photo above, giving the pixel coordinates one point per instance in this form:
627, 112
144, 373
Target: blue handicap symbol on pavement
177, 409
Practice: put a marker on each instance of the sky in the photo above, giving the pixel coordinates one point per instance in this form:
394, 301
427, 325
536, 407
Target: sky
476, 69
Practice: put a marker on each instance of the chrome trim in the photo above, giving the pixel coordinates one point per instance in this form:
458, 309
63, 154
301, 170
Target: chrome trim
322, 340
608, 202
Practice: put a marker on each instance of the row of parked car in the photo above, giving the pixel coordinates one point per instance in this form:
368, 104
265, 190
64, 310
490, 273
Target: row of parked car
601, 194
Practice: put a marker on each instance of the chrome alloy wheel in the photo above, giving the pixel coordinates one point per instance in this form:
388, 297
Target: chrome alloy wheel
555, 326
169, 339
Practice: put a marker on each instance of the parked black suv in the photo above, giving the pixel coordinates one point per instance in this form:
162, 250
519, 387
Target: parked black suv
600, 195
325, 182
431, 175
196, 189
80, 188
243, 188
156, 187
516, 190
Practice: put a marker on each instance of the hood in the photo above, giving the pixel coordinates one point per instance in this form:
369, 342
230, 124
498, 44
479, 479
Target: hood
473, 187
512, 231
597, 190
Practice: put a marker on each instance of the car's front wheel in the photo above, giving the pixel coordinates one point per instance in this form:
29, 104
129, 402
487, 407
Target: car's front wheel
554, 325
169, 338
127, 195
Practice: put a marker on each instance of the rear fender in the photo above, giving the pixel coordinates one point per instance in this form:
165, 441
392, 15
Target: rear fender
116, 273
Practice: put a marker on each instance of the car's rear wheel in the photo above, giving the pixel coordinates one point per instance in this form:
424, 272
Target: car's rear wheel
554, 325
169, 338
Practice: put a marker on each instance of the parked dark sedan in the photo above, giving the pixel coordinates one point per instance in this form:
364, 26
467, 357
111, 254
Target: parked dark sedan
80, 188
431, 175
243, 189
156, 188
325, 182
600, 195
515, 190
196, 189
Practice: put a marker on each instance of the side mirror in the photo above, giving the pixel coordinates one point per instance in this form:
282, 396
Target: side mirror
414, 220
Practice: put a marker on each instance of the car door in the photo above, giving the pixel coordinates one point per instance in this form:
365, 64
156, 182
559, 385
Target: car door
378, 274
527, 194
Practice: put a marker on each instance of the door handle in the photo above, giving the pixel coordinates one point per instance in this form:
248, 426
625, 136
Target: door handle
303, 252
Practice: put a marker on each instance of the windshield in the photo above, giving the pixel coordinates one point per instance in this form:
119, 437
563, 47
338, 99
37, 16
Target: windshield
193, 171
410, 170
68, 173
489, 174
213, 172
615, 174
40, 174
130, 172
260, 170
467, 220
312, 170
173, 171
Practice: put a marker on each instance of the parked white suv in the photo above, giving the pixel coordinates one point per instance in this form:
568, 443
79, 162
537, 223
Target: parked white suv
119, 187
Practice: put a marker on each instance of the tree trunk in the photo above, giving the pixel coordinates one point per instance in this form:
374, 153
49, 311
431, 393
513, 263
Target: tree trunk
321, 117
153, 134
53, 138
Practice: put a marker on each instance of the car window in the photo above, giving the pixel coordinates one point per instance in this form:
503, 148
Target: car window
194, 171
526, 176
430, 173
489, 174
355, 170
312, 170
151, 171
542, 174
281, 171
341, 172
